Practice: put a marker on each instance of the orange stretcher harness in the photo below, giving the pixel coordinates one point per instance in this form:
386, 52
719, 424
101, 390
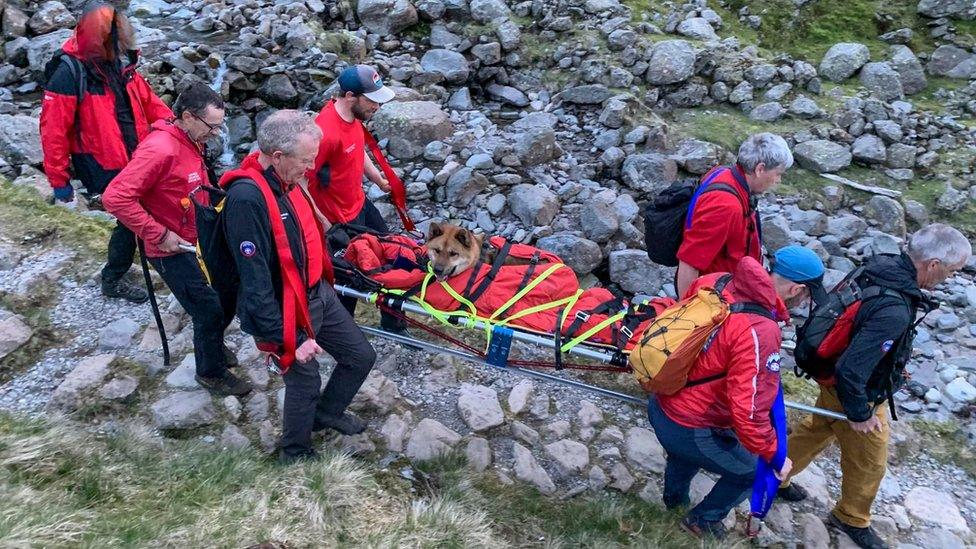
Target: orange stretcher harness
539, 293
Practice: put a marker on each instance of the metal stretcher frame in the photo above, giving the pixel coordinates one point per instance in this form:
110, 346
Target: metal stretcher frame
603, 355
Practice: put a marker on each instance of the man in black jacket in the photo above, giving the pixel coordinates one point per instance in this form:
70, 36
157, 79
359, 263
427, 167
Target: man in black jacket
286, 300
869, 370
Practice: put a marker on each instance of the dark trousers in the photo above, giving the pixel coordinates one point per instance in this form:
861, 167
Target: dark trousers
370, 217
186, 280
121, 248
337, 333
690, 450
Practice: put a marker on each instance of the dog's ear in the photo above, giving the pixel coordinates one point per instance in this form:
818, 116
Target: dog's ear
434, 231
479, 240
465, 237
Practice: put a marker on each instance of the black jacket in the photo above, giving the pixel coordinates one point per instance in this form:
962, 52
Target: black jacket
881, 338
251, 241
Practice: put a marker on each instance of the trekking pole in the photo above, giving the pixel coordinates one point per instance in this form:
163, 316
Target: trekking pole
152, 300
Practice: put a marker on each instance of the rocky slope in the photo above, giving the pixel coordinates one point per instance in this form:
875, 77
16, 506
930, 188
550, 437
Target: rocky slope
551, 123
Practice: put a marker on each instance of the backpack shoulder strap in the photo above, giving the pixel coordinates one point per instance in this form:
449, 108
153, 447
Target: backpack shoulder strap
751, 308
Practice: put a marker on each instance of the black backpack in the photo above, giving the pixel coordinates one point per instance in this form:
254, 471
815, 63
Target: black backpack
78, 73
666, 215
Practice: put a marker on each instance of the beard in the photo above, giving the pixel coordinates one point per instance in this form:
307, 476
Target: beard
360, 113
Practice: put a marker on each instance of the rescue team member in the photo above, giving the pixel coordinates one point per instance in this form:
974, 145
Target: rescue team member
150, 196
336, 181
723, 228
286, 280
96, 109
722, 423
934, 253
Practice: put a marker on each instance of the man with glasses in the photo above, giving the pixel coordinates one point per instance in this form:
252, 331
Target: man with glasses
336, 181
151, 197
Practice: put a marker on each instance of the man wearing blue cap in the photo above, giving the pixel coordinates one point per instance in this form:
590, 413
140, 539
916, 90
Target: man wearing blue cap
722, 420
336, 180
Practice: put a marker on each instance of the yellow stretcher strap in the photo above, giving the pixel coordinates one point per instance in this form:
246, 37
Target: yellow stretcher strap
589, 333
528, 288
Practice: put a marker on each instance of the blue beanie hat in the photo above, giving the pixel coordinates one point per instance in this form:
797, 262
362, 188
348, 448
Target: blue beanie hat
798, 264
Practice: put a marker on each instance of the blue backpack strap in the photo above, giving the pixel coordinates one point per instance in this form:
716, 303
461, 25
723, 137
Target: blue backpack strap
706, 186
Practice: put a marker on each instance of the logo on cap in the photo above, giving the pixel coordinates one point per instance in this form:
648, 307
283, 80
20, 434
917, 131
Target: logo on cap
377, 80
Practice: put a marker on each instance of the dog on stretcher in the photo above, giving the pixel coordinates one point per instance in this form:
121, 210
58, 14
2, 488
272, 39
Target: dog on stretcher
453, 250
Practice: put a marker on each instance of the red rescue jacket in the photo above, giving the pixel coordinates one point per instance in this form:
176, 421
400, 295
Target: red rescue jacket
84, 132
150, 195
721, 228
746, 350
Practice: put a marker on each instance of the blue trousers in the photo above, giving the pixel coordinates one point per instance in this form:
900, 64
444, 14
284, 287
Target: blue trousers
691, 450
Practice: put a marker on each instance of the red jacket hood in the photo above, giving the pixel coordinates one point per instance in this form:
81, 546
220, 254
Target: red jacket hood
750, 283
71, 48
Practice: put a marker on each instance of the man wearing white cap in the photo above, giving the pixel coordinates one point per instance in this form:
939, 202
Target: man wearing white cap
336, 181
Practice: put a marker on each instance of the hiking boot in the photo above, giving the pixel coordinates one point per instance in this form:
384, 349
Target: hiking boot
291, 459
862, 537
703, 528
230, 359
792, 492
126, 291
225, 385
346, 424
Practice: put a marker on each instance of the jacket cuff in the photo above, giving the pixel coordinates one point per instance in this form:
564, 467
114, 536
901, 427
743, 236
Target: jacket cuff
268, 347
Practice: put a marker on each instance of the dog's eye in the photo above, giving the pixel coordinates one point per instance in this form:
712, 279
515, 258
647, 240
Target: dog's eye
453, 253
435, 250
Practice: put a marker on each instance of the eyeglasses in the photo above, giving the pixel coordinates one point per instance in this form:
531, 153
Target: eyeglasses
211, 127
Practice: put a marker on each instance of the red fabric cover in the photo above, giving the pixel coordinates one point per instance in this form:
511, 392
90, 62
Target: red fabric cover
717, 238
150, 195
838, 339
367, 252
746, 350
342, 148
100, 136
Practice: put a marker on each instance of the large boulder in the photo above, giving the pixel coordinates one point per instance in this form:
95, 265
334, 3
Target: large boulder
20, 139
278, 91
534, 205
430, 439
527, 469
909, 69
671, 61
935, 9
882, 80
385, 17
479, 408
587, 94
649, 172
183, 410
14, 21
599, 221
486, 11
51, 16
953, 62
644, 451
934, 506
822, 156
88, 374
42, 48
843, 60
14, 332
635, 273
449, 64
888, 213
869, 149
537, 146
411, 125
464, 185
578, 253
697, 28
696, 156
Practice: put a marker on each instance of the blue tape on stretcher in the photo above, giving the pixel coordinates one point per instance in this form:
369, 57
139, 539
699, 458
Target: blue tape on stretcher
501, 344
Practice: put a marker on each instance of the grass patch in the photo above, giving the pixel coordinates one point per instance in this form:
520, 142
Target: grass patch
726, 125
418, 32
946, 442
65, 486
27, 219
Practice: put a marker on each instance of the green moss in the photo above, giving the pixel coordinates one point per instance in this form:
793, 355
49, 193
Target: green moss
418, 32
946, 442
725, 125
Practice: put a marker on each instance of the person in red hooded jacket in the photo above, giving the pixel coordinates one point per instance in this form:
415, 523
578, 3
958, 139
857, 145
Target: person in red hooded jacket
151, 197
96, 110
720, 421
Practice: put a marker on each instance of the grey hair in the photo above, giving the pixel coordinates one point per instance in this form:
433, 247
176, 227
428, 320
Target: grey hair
942, 242
765, 148
281, 130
